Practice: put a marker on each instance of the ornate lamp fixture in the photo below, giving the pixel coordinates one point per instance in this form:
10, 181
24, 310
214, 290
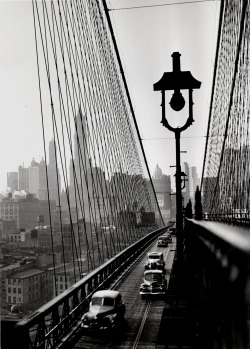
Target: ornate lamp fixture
177, 80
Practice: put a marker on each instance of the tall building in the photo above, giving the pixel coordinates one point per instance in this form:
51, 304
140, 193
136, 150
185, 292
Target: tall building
12, 181
191, 183
42, 190
82, 162
23, 180
162, 185
81, 146
195, 180
33, 178
157, 173
52, 153
54, 178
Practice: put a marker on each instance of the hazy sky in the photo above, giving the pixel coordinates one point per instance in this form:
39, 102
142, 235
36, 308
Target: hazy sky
146, 38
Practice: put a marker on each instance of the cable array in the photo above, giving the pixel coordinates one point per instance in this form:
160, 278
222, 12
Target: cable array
98, 159
226, 170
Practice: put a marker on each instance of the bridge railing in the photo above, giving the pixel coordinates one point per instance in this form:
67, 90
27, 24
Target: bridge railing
48, 325
218, 257
239, 218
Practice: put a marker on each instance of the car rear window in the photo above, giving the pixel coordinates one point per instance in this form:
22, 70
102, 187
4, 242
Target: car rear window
154, 257
108, 301
102, 301
153, 277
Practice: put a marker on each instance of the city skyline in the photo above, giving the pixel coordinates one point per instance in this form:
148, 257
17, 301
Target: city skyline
5, 191
22, 119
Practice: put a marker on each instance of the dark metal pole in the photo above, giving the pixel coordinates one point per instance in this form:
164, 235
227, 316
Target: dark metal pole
179, 217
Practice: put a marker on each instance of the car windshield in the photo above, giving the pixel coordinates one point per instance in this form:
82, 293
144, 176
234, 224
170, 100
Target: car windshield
153, 277
103, 301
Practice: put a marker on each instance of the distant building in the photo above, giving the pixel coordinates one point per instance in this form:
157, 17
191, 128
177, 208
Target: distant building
37, 178
23, 181
14, 237
157, 172
42, 188
54, 178
5, 270
191, 183
30, 208
9, 211
29, 288
162, 185
12, 181
82, 164
33, 178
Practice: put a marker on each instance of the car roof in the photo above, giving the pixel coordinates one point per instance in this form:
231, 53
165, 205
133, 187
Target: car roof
156, 271
106, 293
154, 254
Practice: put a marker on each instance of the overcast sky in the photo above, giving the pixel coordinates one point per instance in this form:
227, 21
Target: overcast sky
146, 36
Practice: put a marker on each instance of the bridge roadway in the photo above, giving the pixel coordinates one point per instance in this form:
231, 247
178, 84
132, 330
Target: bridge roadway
142, 318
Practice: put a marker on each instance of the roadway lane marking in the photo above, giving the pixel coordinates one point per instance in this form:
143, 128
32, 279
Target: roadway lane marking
142, 325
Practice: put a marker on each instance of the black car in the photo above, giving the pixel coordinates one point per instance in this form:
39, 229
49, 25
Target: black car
106, 310
155, 261
154, 283
164, 240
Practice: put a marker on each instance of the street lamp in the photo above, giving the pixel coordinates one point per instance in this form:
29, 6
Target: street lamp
177, 80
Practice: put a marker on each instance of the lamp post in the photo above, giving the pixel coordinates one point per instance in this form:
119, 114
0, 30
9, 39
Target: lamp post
178, 80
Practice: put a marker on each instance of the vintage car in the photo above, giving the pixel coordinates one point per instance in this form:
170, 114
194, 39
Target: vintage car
164, 240
172, 230
155, 261
154, 282
106, 311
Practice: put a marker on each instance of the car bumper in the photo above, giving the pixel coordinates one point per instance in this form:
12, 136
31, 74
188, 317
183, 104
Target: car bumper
95, 326
152, 291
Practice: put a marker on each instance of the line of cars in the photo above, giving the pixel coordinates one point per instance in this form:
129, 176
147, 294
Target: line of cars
107, 309
154, 281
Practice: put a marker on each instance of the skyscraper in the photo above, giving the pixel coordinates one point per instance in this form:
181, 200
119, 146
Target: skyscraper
12, 181
33, 178
42, 191
54, 178
190, 185
82, 163
162, 185
23, 182
81, 146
